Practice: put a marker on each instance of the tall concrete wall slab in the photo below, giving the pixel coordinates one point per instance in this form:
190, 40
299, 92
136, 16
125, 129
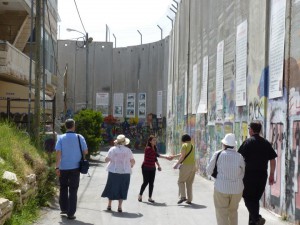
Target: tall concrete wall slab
199, 26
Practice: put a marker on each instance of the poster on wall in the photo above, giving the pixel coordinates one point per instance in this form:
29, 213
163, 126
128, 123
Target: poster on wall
170, 97
159, 104
142, 105
102, 103
130, 105
241, 63
202, 108
276, 52
118, 104
219, 75
194, 93
185, 93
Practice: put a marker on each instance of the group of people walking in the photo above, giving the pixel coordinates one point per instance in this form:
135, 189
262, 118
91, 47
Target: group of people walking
238, 174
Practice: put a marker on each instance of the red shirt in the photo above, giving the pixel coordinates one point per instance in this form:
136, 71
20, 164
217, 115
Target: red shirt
150, 157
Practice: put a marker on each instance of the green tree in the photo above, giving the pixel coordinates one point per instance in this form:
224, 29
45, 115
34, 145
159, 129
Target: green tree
88, 124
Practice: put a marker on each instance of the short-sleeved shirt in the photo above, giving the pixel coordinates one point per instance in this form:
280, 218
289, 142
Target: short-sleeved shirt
150, 157
68, 144
257, 151
120, 157
185, 149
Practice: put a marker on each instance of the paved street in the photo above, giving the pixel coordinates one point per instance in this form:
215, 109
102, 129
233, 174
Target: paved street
92, 208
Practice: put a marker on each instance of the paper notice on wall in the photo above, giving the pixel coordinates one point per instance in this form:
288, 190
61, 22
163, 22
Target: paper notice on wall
130, 105
142, 105
241, 64
202, 107
276, 53
102, 103
219, 76
194, 90
159, 104
118, 105
185, 93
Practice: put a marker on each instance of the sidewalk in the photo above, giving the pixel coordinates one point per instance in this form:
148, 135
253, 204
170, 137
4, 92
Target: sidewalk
91, 208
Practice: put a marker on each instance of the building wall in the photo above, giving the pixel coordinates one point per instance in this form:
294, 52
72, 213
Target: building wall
199, 26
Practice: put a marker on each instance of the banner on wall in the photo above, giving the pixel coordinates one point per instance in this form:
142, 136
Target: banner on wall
220, 75
142, 105
202, 107
276, 52
159, 104
241, 63
130, 105
102, 103
194, 90
118, 104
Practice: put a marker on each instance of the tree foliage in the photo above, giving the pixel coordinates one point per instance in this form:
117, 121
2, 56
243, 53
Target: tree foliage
88, 124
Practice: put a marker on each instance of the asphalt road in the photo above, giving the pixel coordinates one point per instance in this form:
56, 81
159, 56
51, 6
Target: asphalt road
91, 208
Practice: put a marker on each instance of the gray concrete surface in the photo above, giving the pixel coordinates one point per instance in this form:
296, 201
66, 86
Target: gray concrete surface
92, 208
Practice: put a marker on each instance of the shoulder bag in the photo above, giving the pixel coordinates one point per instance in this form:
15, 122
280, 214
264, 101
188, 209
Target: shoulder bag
215, 173
179, 165
84, 164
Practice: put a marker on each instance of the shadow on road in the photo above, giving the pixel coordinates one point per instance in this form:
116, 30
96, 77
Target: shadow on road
194, 206
65, 220
127, 215
156, 204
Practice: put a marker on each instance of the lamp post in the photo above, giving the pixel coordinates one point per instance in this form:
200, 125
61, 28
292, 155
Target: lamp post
87, 40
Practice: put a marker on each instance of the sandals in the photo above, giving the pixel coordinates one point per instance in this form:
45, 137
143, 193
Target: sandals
108, 208
119, 209
140, 198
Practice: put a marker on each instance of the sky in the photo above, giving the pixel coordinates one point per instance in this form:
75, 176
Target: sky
123, 17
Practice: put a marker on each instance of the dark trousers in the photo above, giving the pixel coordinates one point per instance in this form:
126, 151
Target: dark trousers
148, 178
254, 188
69, 183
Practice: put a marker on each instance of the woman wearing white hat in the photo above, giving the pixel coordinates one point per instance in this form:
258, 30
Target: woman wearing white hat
230, 166
120, 161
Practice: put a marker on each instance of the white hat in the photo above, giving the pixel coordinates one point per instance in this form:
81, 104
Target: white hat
229, 140
122, 140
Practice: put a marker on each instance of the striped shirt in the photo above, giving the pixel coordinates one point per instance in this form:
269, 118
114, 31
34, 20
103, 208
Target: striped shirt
231, 170
150, 157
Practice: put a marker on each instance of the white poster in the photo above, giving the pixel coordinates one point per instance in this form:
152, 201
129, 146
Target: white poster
130, 105
170, 105
219, 76
142, 105
241, 63
276, 53
185, 93
159, 104
194, 92
118, 104
202, 108
102, 103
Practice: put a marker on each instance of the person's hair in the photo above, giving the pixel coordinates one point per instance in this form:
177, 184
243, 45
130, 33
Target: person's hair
255, 126
149, 142
185, 138
70, 123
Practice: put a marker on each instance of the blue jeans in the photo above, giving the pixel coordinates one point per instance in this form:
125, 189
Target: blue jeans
69, 183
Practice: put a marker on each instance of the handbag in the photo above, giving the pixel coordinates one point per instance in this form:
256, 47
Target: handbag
84, 164
215, 173
180, 164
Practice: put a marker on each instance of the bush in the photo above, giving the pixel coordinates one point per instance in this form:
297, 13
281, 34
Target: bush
88, 124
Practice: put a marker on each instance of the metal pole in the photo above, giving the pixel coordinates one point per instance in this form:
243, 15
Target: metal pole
161, 32
106, 33
171, 21
44, 69
87, 70
141, 36
115, 40
30, 68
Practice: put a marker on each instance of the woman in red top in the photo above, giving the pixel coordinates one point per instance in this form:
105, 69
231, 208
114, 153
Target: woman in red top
149, 168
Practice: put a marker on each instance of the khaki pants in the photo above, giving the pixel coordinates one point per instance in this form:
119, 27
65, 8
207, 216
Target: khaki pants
226, 207
185, 180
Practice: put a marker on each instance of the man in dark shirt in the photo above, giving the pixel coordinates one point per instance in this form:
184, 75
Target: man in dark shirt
257, 152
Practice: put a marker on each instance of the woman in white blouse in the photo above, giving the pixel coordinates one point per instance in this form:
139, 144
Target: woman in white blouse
120, 161
228, 182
